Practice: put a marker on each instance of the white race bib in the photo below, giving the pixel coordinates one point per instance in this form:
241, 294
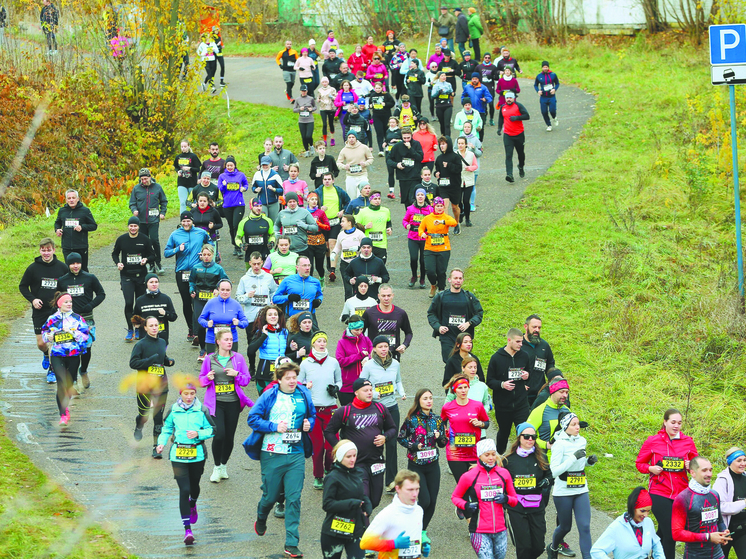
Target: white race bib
356, 168
426, 454
540, 364
548, 87
289, 230
376, 237
153, 212
376, 469
75, 290
71, 223
709, 516
514, 373
49, 283
133, 259
255, 240
334, 222
407, 162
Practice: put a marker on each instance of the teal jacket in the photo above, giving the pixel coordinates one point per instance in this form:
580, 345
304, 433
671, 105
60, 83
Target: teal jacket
177, 423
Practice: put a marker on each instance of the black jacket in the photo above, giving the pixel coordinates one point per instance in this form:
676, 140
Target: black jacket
499, 371
148, 305
202, 220
189, 177
302, 339
372, 266
345, 498
67, 219
40, 281
462, 29
151, 352
527, 476
381, 105
468, 68
474, 312
128, 251
413, 81
148, 199
451, 171
326, 165
411, 157
331, 68
542, 359
453, 367
82, 287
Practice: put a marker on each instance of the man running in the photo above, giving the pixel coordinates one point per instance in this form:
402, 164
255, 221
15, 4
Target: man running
480, 97
546, 85
215, 164
511, 118
355, 158
74, 221
282, 158
369, 265
296, 223
490, 75
301, 291
148, 202
541, 355
286, 61
376, 221
390, 321
156, 303
406, 157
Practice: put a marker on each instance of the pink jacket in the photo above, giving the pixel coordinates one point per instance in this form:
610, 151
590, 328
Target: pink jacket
350, 354
338, 101
414, 217
491, 514
356, 63
300, 188
242, 379
659, 447
374, 69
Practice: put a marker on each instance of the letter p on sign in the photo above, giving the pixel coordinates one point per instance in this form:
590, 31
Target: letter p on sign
728, 44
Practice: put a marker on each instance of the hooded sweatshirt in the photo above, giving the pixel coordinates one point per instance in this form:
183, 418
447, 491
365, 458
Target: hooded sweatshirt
149, 359
81, 287
385, 376
325, 96
150, 304
359, 157
40, 281
232, 186
149, 201
351, 350
448, 167
343, 493
502, 368
67, 219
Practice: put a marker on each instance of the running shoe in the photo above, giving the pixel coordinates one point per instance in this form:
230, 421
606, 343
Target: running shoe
215, 476
190, 336
509, 178
521, 172
157, 455
422, 283
51, 377
193, 516
457, 230
279, 511
492, 122
473, 208
223, 471
195, 341
45, 362
318, 483
63, 420
201, 357
128, 337
555, 121
332, 142
433, 290
412, 281
391, 195
137, 334
260, 527
86, 380
332, 276
159, 269
76, 389
188, 537
380, 154
323, 283
293, 551
565, 550
549, 128
138, 433
468, 223
391, 487
551, 552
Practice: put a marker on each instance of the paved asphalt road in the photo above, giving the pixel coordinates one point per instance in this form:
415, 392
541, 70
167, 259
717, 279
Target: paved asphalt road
96, 458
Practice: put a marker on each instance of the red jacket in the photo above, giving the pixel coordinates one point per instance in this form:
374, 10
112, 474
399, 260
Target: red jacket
491, 514
661, 447
357, 63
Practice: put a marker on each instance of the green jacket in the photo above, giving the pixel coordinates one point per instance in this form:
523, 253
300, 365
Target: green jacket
475, 26
544, 418
177, 423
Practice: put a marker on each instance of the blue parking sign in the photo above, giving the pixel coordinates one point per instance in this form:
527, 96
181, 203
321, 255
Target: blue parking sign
728, 44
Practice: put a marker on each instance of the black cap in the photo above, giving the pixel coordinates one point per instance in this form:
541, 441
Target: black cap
186, 215
134, 220
150, 277
72, 258
291, 196
303, 87
380, 339
366, 241
362, 279
457, 9
359, 383
544, 63
230, 159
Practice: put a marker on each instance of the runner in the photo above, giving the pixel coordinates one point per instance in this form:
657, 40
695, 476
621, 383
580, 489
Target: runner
301, 331
154, 303
222, 313
87, 293
377, 72
255, 232
266, 184
203, 286
467, 420
431, 76
544, 394
206, 216
475, 146
493, 489
469, 166
215, 164
362, 201
448, 167
397, 60
512, 115
74, 221
390, 45
389, 321
478, 390
317, 242
305, 106
376, 220
425, 136
305, 67
545, 417
436, 57
346, 505
361, 86
296, 223
323, 164
370, 48
320, 373
355, 121
449, 67
67, 335
300, 292
391, 137
369, 265
186, 165
315, 55
406, 157
186, 244
286, 59
384, 373
411, 223
148, 203
467, 68
434, 229
360, 302
208, 51
346, 98
381, 103
347, 246
480, 97
546, 85
270, 340
729, 486
507, 376
281, 421
190, 427
542, 358
403, 517
38, 286
353, 352
568, 462
355, 158
254, 291
281, 158
329, 43
149, 359
233, 184
354, 422
468, 114
633, 533
224, 374
331, 66
462, 31
325, 96
665, 456
507, 82
462, 350
490, 76
443, 94
333, 200
294, 184
218, 40
281, 262
532, 479
131, 254
414, 80
507, 61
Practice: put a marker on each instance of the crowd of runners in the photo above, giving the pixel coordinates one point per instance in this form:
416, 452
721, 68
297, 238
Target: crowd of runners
298, 237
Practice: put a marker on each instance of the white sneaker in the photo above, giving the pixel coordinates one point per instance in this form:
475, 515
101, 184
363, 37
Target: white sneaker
215, 476
556, 121
549, 128
223, 471
76, 389
380, 154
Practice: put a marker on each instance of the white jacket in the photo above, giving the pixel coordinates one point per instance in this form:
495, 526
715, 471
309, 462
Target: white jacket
723, 486
563, 461
264, 287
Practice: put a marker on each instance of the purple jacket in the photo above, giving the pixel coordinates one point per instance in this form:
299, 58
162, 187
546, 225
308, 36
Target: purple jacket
412, 223
242, 379
350, 354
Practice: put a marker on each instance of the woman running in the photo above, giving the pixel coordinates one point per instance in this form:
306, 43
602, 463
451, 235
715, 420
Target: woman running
468, 166
448, 167
421, 433
391, 137
568, 462
233, 184
347, 507
149, 359
206, 216
300, 333
411, 222
325, 96
203, 286
224, 373
67, 335
730, 485
360, 302
478, 390
665, 457
281, 262
353, 351
317, 241
346, 97
222, 313
190, 427
434, 230
294, 184
322, 376
532, 479
493, 489
443, 94
380, 103
347, 247
461, 350
270, 340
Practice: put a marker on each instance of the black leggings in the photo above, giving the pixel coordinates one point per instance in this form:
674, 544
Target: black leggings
436, 264
432, 101
392, 176
196, 328
662, 508
416, 253
514, 142
187, 476
739, 545
85, 360
332, 548
327, 117
379, 125
459, 468
505, 420
306, 134
429, 488
226, 421
66, 371
444, 113
233, 216
317, 255
143, 410
131, 289
210, 67
186, 300
529, 531
391, 447
465, 201
221, 62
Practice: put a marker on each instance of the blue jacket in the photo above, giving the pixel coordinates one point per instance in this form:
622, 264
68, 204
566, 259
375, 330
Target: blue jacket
178, 422
222, 312
309, 289
260, 424
620, 538
259, 184
475, 94
193, 241
546, 79
357, 204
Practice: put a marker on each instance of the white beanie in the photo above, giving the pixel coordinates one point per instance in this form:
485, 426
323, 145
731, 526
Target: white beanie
485, 445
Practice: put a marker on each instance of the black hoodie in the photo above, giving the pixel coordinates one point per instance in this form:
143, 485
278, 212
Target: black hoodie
345, 497
149, 304
452, 171
82, 287
67, 219
40, 280
502, 366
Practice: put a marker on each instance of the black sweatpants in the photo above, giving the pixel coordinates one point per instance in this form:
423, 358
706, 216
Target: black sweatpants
465, 204
417, 102
317, 255
392, 176
517, 143
150, 230
416, 254
226, 421
391, 448
662, 508
406, 191
332, 548
529, 530
233, 216
327, 117
143, 411
459, 468
380, 123
210, 67
306, 134
187, 476
444, 114
186, 299
436, 264
221, 63
132, 288
429, 488
372, 484
505, 419
66, 371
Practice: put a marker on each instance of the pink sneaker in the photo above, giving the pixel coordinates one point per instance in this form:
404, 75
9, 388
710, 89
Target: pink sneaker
188, 536
64, 419
332, 142
193, 516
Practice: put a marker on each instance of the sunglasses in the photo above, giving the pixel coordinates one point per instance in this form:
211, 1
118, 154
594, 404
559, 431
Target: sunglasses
529, 437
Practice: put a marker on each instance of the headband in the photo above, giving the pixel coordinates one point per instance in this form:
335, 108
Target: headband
375, 196
344, 449
561, 385
522, 427
62, 297
187, 386
459, 382
438, 200
733, 455
357, 324
566, 419
319, 334
643, 500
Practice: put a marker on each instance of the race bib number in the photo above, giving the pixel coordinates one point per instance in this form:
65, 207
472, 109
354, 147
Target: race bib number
413, 78
232, 186
379, 75
489, 493
385, 388
443, 96
133, 259
183, 161
153, 212
71, 223
305, 114
672, 464
260, 300
306, 80
291, 436
75, 290
157, 370
378, 106
302, 305
290, 65
444, 182
360, 311
575, 480
464, 439
185, 275
356, 128
376, 236
161, 326
218, 329
470, 117
342, 525
548, 87
514, 373
349, 254
377, 469
289, 230
417, 219
255, 240
334, 222
426, 454
540, 364
437, 239
63, 337
186, 451
49, 283
321, 170
455, 320
709, 515
446, 69
356, 168
407, 162
204, 295
524, 482
411, 552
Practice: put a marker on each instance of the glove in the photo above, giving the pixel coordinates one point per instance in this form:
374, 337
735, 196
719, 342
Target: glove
169, 362
332, 389
545, 483
580, 453
499, 132
426, 549
293, 297
592, 459
502, 498
401, 541
471, 507
513, 118
316, 303
583, 424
